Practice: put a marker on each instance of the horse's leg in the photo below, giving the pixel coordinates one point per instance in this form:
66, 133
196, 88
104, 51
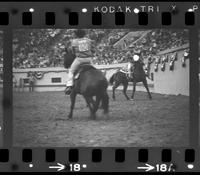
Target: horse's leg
134, 87
100, 107
105, 103
98, 99
125, 89
91, 105
90, 101
113, 92
87, 103
93, 102
113, 89
73, 99
146, 86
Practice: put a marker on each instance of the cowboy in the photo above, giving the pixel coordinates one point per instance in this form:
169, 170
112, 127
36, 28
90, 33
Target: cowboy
127, 69
31, 81
130, 64
82, 48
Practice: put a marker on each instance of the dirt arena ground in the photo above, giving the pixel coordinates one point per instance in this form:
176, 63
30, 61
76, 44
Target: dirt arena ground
40, 120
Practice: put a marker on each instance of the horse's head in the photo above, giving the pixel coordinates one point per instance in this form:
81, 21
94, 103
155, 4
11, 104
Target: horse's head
68, 58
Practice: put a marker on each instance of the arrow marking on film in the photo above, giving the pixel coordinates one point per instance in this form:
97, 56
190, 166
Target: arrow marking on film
59, 167
147, 167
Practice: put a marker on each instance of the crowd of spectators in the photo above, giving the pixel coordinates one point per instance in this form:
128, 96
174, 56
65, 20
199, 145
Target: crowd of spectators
153, 42
36, 61
160, 40
110, 56
116, 36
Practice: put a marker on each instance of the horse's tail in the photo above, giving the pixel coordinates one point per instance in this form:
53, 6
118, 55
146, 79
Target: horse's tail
112, 79
105, 102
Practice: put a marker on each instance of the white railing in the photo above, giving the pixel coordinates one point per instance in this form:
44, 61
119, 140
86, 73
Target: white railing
128, 36
61, 69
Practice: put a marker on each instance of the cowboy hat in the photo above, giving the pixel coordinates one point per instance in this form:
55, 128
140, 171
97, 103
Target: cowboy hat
136, 57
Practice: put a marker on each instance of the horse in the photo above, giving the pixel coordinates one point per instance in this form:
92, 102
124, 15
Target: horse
138, 75
90, 83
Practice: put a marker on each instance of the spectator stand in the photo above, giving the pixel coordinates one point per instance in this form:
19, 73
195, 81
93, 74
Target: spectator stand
149, 43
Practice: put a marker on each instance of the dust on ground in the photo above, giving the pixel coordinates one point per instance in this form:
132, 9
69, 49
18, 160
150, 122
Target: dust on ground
40, 120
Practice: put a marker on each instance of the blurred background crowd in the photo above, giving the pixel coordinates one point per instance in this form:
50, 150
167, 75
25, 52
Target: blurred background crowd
46, 47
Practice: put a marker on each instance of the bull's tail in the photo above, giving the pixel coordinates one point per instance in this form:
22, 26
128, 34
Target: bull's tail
112, 79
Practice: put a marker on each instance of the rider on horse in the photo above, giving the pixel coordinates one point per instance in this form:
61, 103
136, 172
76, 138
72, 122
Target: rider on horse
128, 68
82, 48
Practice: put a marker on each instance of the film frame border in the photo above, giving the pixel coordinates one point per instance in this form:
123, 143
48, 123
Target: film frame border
7, 68
19, 13
113, 160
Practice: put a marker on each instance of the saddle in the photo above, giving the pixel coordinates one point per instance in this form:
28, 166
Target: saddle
82, 68
125, 71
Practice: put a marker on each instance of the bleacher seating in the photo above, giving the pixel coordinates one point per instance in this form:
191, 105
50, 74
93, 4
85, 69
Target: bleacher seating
149, 44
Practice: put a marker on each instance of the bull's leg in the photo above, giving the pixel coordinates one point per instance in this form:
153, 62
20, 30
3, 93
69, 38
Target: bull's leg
146, 86
125, 89
134, 87
73, 99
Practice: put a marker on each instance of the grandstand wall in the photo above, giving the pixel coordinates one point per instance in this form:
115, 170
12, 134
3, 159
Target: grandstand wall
172, 82
46, 83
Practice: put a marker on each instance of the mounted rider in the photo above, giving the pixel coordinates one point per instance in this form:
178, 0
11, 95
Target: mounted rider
82, 48
128, 68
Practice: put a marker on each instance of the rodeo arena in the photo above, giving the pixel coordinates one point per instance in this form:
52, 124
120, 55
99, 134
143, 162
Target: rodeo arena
41, 109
